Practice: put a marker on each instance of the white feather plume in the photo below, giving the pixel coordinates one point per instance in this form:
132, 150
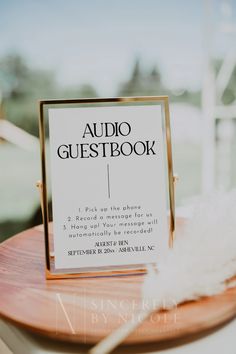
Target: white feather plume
203, 257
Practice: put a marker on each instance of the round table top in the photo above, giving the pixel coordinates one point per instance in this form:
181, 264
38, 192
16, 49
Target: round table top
86, 310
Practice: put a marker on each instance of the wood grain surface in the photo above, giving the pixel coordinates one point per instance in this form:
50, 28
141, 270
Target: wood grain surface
86, 310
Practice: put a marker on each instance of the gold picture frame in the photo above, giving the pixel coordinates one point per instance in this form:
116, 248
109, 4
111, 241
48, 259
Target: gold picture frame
44, 105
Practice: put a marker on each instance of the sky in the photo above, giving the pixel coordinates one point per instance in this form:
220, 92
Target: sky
97, 41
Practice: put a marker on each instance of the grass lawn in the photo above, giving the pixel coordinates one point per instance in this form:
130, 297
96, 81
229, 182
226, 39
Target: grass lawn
19, 197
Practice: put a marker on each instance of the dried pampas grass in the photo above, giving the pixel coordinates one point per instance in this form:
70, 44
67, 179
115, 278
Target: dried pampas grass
200, 264
203, 257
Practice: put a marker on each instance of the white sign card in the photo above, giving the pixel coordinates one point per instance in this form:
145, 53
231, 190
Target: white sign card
108, 185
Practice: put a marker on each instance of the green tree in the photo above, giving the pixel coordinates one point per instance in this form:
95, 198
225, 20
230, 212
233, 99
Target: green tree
22, 86
141, 83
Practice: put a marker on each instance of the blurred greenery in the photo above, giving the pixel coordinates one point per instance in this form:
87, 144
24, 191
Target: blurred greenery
143, 82
22, 86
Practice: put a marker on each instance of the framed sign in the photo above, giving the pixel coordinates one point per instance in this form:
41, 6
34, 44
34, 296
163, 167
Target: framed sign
108, 165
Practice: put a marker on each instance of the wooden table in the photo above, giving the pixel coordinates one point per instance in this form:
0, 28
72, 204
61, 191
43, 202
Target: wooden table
86, 310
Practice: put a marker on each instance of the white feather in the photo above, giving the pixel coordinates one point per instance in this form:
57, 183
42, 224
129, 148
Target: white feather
203, 257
